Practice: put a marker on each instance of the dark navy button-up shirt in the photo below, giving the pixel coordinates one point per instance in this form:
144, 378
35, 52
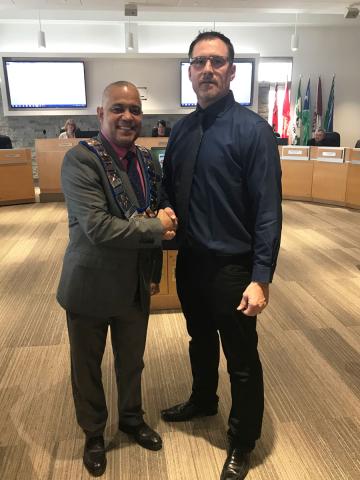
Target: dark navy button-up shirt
234, 199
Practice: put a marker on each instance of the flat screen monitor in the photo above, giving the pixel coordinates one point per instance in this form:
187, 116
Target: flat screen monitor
43, 84
159, 154
242, 85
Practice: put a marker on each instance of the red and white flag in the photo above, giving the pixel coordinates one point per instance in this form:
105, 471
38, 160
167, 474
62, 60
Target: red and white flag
286, 112
275, 120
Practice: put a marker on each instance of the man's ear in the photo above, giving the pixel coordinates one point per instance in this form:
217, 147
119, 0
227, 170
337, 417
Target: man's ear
189, 73
100, 113
232, 72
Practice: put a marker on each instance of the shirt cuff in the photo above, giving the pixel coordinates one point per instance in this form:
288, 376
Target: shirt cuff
262, 274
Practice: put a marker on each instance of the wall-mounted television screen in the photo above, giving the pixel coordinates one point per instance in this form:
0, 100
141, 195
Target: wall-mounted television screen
159, 154
37, 84
242, 85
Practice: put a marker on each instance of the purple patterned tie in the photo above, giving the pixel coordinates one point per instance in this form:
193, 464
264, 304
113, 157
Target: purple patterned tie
135, 178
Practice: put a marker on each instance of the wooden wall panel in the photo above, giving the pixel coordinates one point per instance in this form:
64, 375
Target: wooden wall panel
16, 180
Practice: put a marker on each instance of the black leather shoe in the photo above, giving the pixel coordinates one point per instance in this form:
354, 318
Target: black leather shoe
236, 466
94, 456
143, 435
187, 411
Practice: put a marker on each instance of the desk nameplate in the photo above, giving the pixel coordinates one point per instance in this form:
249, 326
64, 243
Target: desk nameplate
289, 157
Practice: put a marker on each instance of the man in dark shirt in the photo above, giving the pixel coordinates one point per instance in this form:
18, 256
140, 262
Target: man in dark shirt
222, 177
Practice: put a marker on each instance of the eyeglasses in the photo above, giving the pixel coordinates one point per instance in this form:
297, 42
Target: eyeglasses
216, 61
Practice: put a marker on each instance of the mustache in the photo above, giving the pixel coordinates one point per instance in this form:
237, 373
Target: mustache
208, 80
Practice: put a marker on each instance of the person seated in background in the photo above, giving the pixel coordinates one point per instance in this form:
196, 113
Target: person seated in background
161, 130
5, 142
357, 144
319, 139
69, 129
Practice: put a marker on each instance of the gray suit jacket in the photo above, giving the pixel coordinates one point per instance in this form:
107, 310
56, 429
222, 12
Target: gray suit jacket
109, 259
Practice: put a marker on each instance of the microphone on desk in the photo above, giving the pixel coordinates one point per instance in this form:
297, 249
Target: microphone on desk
44, 133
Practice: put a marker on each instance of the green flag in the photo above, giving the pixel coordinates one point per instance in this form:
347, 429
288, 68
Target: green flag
329, 115
297, 117
306, 121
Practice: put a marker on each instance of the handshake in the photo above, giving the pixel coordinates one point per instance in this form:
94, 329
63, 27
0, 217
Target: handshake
169, 222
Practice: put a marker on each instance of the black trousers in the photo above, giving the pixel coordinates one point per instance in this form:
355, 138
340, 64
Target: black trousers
210, 288
87, 337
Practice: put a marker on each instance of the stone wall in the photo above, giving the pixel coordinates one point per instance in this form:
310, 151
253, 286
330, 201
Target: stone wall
24, 130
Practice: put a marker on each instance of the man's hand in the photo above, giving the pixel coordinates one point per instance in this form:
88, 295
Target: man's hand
255, 299
154, 288
172, 215
169, 222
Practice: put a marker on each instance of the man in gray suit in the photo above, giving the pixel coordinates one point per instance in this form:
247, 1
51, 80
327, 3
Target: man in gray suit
111, 189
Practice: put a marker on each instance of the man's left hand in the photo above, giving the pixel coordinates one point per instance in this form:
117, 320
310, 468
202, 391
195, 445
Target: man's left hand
255, 298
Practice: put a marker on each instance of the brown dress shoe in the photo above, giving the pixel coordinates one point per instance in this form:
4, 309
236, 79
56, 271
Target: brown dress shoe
144, 435
187, 411
94, 456
236, 466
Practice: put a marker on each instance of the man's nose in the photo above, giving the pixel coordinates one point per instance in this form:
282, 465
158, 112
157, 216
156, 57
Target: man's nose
126, 114
208, 66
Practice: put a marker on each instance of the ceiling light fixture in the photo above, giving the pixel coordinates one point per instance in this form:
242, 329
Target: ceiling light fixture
295, 38
130, 41
130, 11
41, 35
352, 11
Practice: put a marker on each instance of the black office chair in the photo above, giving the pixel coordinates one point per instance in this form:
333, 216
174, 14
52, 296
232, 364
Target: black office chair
332, 139
86, 133
5, 142
357, 144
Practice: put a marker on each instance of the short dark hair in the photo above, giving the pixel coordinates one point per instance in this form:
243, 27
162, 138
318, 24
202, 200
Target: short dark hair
210, 35
162, 122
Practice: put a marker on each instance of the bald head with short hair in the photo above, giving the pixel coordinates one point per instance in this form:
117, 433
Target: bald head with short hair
118, 84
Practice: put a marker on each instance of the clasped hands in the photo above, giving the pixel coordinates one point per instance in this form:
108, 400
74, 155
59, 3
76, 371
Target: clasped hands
169, 222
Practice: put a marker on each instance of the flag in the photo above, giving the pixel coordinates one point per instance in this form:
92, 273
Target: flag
275, 124
317, 116
286, 112
305, 116
329, 115
297, 117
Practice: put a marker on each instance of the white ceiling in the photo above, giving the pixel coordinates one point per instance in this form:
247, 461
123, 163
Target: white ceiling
243, 12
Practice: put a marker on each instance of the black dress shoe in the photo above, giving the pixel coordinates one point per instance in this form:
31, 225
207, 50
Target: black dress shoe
94, 456
187, 411
143, 435
236, 466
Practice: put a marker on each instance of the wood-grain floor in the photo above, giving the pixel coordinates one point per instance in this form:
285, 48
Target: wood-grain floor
309, 344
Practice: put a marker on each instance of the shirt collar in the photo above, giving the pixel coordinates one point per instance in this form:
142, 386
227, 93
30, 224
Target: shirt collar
120, 151
218, 108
